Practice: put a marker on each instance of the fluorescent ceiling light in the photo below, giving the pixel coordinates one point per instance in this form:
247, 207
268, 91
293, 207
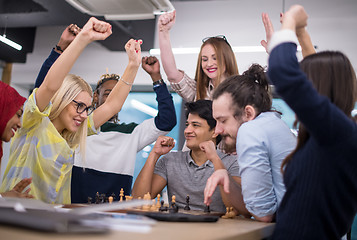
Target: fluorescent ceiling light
241, 49
144, 108
10, 43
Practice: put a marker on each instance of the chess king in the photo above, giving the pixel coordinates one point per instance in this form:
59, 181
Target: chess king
186, 172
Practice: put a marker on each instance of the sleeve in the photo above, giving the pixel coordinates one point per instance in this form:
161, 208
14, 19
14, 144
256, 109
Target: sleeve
323, 120
231, 165
186, 88
32, 114
160, 167
166, 116
255, 170
146, 133
45, 67
91, 129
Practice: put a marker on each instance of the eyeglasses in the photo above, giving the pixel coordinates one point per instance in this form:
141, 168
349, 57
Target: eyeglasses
107, 77
81, 107
217, 37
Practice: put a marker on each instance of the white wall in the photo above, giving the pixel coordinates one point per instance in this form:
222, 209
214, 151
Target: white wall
332, 25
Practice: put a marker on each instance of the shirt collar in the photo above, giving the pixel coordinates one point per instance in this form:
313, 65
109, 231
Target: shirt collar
190, 161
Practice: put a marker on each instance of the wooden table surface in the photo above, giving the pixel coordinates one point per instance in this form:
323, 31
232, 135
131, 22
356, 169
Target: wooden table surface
237, 228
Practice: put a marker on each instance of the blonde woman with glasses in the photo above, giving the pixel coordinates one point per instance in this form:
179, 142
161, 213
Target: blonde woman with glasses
57, 119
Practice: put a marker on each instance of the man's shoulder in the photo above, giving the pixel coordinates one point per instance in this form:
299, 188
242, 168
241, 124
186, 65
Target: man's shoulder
226, 157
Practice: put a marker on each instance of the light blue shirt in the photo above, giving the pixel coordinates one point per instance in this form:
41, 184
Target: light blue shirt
262, 145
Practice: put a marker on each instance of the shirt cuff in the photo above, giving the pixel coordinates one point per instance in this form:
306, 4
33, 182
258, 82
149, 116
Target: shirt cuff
282, 36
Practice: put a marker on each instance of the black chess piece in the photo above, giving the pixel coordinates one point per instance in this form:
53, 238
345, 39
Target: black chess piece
187, 206
174, 208
89, 201
113, 195
207, 210
97, 198
102, 198
162, 208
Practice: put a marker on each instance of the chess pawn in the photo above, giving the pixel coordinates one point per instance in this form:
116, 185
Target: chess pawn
162, 208
110, 199
89, 199
158, 201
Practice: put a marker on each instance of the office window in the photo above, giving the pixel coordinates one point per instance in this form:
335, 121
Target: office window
140, 106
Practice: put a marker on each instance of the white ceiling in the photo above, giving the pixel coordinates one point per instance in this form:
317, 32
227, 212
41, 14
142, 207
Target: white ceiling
332, 25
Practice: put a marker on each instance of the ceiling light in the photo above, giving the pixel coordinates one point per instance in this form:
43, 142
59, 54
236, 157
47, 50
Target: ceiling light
10, 43
144, 108
240, 49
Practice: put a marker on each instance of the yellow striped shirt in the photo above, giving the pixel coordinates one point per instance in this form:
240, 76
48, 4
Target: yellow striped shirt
39, 151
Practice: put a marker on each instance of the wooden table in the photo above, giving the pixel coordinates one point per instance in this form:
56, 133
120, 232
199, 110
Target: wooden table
237, 228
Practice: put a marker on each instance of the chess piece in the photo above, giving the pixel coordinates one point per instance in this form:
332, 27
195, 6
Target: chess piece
207, 210
231, 213
225, 216
153, 206
162, 208
128, 198
187, 207
147, 196
174, 207
97, 198
121, 194
89, 200
110, 199
158, 201
102, 198
113, 195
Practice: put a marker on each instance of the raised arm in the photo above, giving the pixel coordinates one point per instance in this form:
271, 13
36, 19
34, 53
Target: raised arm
301, 33
118, 95
66, 38
165, 119
147, 181
92, 31
165, 22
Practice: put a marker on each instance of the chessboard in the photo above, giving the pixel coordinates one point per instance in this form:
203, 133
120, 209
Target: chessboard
164, 212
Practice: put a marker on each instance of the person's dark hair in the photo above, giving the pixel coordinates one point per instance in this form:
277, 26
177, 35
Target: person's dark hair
203, 108
103, 79
333, 76
250, 88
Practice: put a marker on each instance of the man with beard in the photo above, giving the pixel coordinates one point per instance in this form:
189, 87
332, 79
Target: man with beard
242, 106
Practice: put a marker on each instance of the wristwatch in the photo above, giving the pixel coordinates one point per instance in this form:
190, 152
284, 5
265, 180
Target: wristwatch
58, 48
158, 83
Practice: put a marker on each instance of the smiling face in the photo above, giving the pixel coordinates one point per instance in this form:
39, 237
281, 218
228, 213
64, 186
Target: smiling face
209, 62
103, 92
197, 131
227, 124
69, 118
12, 125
